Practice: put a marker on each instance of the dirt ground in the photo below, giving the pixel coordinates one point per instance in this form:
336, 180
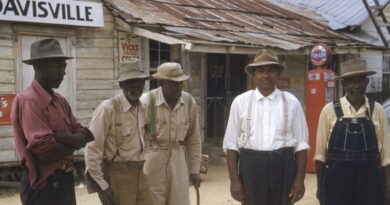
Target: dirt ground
213, 191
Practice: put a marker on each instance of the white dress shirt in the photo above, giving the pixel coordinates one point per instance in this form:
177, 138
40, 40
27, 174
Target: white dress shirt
267, 123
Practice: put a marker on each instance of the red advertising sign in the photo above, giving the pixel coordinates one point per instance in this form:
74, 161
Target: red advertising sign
5, 109
320, 55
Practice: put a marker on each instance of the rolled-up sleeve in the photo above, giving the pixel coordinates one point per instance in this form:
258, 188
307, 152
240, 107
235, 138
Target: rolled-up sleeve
35, 127
233, 128
299, 128
100, 125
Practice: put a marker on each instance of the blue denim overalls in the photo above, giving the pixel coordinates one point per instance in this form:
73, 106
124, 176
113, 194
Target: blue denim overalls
353, 174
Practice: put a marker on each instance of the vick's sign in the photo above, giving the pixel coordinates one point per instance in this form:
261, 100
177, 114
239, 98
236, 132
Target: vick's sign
65, 12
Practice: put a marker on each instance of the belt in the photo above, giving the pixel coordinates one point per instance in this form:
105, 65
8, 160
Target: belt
128, 164
268, 152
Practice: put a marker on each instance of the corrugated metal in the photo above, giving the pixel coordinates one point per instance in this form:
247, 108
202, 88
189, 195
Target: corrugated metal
339, 13
244, 22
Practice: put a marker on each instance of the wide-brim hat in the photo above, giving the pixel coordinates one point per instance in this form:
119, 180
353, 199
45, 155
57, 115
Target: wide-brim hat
131, 69
45, 49
170, 71
354, 67
262, 58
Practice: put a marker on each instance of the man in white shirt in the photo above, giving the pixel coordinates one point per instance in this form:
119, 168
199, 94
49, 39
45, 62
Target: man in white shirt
266, 139
386, 107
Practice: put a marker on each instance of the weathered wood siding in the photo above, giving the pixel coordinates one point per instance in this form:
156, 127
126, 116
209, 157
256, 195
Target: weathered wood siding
95, 49
296, 72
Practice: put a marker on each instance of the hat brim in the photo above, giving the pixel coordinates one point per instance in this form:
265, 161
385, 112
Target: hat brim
31, 61
250, 67
176, 79
121, 79
354, 74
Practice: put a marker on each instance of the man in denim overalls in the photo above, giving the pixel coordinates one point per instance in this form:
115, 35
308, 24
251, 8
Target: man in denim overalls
353, 146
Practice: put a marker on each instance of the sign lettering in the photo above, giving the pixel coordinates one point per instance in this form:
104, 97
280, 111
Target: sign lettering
65, 12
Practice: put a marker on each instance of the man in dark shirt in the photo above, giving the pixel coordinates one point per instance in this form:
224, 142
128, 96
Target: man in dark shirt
46, 132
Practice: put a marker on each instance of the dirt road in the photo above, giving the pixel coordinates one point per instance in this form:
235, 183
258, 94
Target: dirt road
213, 191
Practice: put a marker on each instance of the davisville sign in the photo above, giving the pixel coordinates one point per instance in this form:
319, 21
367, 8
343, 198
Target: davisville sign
64, 12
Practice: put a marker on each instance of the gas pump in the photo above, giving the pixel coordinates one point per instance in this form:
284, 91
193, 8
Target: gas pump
320, 89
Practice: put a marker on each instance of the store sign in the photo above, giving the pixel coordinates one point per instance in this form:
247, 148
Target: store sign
64, 12
130, 47
5, 109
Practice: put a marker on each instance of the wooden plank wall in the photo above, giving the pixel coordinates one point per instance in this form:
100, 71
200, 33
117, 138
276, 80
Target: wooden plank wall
296, 72
95, 49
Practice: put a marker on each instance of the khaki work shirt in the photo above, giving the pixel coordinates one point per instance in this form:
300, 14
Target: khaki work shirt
130, 125
328, 119
175, 127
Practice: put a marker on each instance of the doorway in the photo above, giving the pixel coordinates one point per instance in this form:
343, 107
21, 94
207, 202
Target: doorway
226, 78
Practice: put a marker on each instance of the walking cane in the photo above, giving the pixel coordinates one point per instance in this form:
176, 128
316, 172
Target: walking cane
197, 195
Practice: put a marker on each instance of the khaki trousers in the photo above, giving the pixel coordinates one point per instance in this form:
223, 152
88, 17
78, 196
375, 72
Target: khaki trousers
128, 182
168, 175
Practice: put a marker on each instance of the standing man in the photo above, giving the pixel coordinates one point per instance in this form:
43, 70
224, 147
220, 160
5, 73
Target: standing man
46, 132
353, 145
266, 139
173, 138
115, 159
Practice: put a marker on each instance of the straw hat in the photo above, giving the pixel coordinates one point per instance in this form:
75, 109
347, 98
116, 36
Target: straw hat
264, 57
354, 67
45, 49
131, 69
170, 71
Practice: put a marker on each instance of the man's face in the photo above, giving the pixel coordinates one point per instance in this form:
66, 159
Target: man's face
171, 89
52, 71
132, 88
355, 86
265, 77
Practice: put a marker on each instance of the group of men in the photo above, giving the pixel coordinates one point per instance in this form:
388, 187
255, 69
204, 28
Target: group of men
145, 148
139, 150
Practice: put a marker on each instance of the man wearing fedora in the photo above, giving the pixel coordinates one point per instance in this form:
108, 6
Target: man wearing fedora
353, 145
266, 139
114, 161
172, 138
46, 132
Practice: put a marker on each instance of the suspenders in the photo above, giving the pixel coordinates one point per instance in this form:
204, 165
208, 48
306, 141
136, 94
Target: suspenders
285, 116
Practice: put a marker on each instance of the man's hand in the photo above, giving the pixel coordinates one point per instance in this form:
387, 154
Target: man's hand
297, 190
107, 196
236, 190
195, 180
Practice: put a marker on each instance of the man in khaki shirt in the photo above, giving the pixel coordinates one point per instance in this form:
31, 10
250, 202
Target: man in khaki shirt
114, 161
353, 145
172, 138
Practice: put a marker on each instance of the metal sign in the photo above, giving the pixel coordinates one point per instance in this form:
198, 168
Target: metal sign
64, 12
320, 55
5, 109
129, 47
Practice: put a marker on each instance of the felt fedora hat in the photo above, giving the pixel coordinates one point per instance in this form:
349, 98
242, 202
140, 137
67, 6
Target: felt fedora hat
45, 49
354, 67
170, 71
131, 69
262, 58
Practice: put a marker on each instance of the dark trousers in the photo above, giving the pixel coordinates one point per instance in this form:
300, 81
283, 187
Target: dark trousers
353, 183
267, 177
59, 190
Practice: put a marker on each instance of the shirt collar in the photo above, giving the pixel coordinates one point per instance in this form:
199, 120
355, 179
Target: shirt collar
126, 105
43, 96
362, 109
272, 96
161, 100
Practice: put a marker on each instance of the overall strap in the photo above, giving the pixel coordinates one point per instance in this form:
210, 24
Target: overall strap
371, 104
337, 108
285, 117
152, 113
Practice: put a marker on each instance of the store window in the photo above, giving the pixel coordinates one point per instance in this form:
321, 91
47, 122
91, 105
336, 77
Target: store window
158, 53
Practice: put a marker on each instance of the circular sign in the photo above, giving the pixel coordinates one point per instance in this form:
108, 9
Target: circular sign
320, 55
